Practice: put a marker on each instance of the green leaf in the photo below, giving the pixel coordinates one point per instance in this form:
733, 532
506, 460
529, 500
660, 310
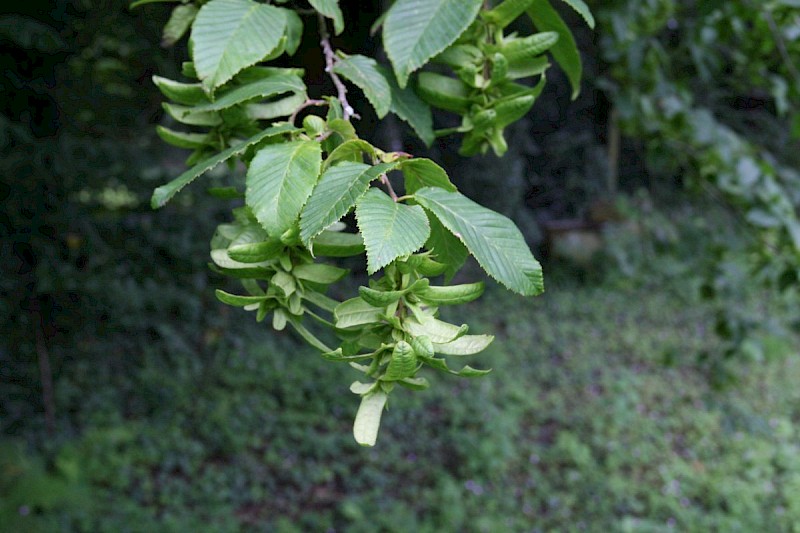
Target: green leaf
280, 180
182, 139
294, 30
190, 94
505, 13
279, 108
368, 418
452, 295
355, 312
493, 239
444, 92
255, 252
223, 260
352, 150
417, 30
565, 51
364, 73
390, 229
469, 372
583, 10
446, 248
330, 9
337, 244
419, 173
413, 111
319, 273
361, 388
231, 35
403, 363
337, 191
465, 345
236, 300
178, 24
436, 330
187, 115
163, 194
264, 88
138, 3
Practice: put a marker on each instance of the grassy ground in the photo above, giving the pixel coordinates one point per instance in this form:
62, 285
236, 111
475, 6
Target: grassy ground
581, 427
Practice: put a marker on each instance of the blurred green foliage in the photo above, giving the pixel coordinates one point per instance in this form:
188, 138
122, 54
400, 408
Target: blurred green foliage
581, 428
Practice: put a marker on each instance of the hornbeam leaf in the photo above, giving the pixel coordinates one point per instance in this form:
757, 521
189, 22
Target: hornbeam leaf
355, 312
452, 295
236, 300
494, 240
446, 247
163, 194
411, 109
564, 51
294, 30
144, 2
390, 229
231, 35
466, 345
338, 244
319, 273
178, 24
337, 191
583, 10
364, 73
280, 180
368, 418
182, 139
438, 331
330, 9
417, 30
264, 88
190, 94
419, 173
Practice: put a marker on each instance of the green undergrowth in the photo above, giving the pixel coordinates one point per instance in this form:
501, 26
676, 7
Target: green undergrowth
581, 427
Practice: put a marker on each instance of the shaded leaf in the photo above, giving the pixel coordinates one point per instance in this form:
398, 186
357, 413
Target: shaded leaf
417, 30
390, 229
231, 35
493, 239
337, 191
164, 193
364, 73
280, 180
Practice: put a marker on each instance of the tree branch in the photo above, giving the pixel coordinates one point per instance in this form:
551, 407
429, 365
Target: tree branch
308, 103
330, 63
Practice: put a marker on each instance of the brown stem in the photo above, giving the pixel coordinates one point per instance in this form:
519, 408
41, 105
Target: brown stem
330, 63
308, 103
388, 184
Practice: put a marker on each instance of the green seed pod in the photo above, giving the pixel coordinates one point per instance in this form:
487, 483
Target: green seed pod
512, 109
452, 294
459, 55
528, 47
403, 363
444, 92
423, 346
314, 125
377, 298
499, 69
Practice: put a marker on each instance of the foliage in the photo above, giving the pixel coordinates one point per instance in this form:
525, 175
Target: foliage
301, 181
665, 66
583, 425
